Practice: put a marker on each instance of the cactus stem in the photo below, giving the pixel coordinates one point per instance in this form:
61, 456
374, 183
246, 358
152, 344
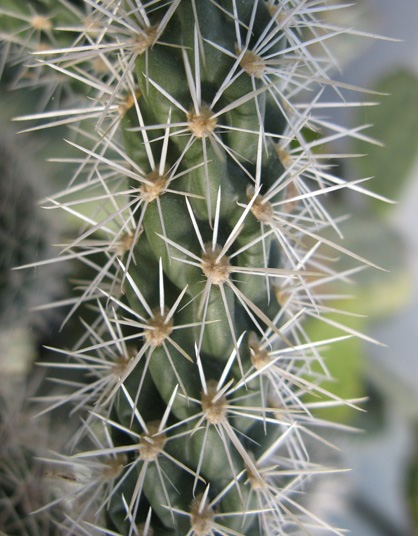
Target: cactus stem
225, 97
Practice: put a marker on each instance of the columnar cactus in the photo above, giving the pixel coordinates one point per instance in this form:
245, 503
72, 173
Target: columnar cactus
198, 182
25, 235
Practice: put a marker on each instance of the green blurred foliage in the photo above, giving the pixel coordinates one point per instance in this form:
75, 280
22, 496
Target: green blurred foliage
344, 360
395, 125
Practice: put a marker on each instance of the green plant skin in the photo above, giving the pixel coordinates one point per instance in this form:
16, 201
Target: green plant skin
224, 175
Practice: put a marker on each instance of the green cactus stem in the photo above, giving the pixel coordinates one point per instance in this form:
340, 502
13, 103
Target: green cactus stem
199, 188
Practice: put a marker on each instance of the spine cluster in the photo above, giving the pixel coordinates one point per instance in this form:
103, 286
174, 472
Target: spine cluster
199, 131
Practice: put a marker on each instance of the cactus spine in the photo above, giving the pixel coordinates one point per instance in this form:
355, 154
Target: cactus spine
198, 185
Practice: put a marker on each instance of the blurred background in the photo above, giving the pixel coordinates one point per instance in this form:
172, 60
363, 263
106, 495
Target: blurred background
379, 496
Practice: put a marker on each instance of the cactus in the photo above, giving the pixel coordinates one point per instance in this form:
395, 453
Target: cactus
199, 182
22, 485
26, 235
